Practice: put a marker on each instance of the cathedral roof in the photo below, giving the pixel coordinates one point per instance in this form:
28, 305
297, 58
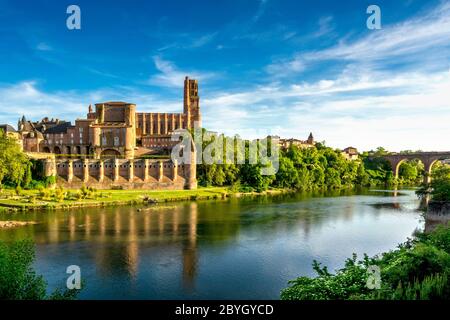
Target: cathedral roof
60, 128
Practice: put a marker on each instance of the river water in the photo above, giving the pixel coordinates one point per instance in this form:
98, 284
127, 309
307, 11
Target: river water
244, 248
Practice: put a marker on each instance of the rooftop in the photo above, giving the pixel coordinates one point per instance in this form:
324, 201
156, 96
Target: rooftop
7, 128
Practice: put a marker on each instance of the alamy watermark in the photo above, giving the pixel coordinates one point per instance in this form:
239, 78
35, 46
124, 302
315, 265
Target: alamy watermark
73, 22
374, 20
74, 280
373, 277
204, 147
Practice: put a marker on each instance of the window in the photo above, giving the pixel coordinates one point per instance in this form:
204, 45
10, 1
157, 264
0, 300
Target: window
116, 141
81, 130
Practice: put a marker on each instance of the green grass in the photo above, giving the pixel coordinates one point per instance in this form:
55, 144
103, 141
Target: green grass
9, 199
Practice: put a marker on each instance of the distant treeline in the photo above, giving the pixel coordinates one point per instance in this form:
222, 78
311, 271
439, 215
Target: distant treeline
318, 167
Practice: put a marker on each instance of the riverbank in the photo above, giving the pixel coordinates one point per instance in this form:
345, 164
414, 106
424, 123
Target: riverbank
417, 270
34, 200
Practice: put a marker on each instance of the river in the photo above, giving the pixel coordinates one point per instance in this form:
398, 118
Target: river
245, 248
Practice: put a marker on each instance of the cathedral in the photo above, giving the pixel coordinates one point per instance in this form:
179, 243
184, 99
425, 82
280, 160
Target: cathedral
112, 130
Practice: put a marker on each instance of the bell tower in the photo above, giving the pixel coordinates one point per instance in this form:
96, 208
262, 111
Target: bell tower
310, 139
191, 103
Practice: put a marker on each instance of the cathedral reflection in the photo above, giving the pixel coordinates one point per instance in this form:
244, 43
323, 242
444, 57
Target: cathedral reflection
190, 249
119, 235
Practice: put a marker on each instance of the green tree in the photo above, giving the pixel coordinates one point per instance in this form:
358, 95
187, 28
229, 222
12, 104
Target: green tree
13, 162
287, 175
18, 280
439, 188
363, 178
409, 171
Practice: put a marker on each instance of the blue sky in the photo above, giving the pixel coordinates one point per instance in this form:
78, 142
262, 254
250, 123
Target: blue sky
264, 66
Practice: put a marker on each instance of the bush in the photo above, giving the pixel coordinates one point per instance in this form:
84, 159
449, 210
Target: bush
18, 190
44, 194
347, 283
18, 280
60, 194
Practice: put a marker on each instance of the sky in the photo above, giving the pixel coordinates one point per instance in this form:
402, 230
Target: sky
276, 67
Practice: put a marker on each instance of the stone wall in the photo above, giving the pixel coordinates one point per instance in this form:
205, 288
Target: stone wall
122, 173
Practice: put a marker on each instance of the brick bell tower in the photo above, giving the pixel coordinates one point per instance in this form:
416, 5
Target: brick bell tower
191, 103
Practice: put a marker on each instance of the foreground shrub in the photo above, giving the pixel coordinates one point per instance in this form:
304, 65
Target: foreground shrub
18, 280
418, 269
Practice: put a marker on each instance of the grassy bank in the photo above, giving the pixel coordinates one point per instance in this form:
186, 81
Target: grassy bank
67, 198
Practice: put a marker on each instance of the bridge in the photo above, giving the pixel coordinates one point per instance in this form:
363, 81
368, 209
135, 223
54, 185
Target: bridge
427, 158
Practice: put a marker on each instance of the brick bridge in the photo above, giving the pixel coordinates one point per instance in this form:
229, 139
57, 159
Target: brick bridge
427, 158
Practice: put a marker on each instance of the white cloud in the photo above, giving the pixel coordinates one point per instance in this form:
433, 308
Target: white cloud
416, 39
203, 40
42, 46
25, 98
170, 76
324, 26
261, 10
415, 35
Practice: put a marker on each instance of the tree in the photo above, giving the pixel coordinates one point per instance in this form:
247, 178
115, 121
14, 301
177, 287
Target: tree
13, 162
287, 175
439, 188
409, 171
363, 178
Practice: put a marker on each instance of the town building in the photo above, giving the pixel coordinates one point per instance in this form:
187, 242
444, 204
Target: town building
350, 153
9, 131
285, 144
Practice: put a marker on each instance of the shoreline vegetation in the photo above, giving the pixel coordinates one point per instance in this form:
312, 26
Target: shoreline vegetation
58, 198
418, 269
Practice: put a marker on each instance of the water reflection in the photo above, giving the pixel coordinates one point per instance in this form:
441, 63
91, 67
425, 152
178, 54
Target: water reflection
235, 248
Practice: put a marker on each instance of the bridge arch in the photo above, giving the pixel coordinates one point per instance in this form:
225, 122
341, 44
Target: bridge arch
428, 170
427, 158
396, 166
